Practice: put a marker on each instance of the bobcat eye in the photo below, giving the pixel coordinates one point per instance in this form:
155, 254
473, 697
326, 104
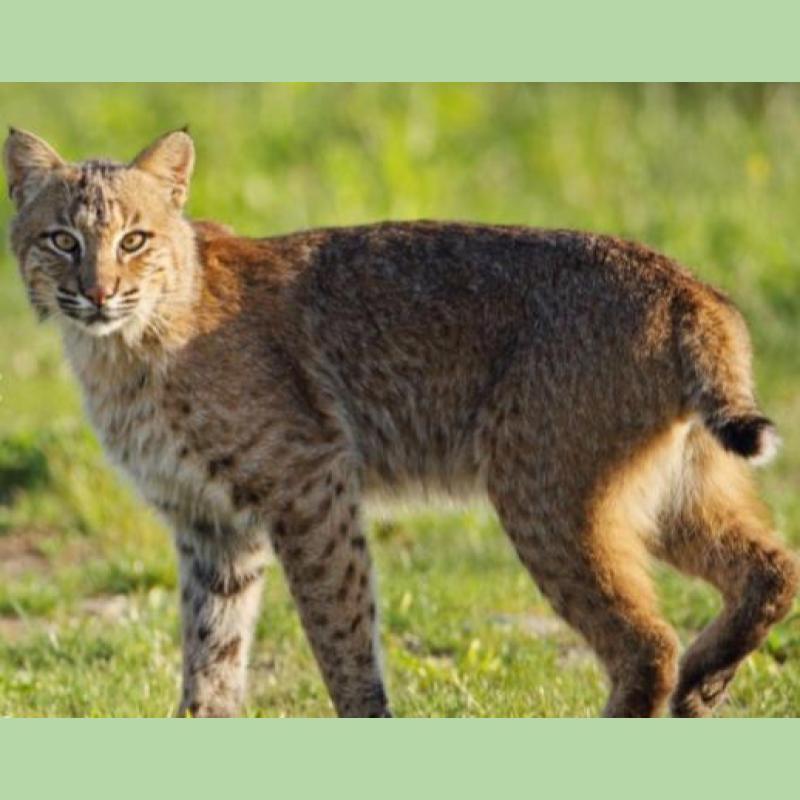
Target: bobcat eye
133, 241
65, 242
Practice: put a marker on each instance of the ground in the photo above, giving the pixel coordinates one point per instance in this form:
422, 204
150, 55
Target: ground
710, 175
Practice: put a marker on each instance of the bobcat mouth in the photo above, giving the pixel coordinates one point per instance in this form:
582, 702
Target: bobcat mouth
97, 319
91, 317
101, 324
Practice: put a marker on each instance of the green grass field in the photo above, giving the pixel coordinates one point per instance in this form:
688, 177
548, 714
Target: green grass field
710, 175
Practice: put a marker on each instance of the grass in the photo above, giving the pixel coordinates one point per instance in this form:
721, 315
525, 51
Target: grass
710, 175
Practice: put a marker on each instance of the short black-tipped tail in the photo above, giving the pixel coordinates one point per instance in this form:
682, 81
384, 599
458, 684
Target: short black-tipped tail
716, 352
750, 436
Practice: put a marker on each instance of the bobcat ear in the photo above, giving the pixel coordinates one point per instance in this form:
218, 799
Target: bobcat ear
170, 159
27, 160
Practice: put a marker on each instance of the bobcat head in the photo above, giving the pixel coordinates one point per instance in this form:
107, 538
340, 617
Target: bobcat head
101, 245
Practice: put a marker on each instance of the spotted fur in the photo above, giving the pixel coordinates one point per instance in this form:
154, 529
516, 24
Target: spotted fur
257, 389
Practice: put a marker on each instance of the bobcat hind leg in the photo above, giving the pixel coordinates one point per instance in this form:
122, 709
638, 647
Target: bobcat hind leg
588, 558
720, 532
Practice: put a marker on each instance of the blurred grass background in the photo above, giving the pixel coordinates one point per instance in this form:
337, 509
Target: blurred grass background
708, 174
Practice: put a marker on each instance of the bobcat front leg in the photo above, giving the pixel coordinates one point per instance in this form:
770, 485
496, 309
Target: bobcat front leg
319, 540
221, 575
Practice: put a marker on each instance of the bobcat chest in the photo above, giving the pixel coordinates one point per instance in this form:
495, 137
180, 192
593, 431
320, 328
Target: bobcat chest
142, 431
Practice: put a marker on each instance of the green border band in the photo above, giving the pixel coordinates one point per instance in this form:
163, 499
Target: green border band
416, 40
397, 758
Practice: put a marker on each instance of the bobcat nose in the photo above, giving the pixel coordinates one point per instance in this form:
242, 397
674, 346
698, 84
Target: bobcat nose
99, 294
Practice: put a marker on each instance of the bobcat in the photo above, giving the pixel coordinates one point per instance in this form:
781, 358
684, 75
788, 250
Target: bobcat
256, 389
